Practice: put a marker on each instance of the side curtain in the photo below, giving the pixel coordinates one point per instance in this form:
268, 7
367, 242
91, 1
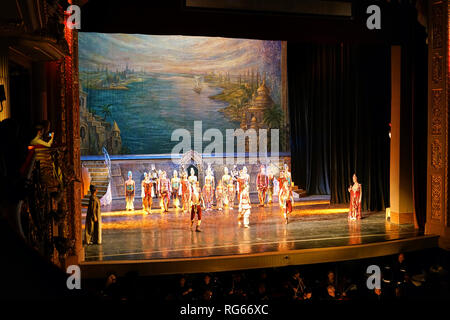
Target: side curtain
339, 104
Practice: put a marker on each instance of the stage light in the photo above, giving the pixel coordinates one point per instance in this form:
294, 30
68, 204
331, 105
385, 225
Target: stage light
320, 211
311, 203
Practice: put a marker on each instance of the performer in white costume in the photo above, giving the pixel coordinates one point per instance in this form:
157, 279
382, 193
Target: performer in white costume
226, 181
244, 206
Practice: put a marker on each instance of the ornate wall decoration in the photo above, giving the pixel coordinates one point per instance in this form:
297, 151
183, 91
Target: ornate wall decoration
191, 155
436, 72
436, 196
437, 14
436, 154
436, 115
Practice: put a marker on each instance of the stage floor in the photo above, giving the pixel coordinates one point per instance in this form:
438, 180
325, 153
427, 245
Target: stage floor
313, 224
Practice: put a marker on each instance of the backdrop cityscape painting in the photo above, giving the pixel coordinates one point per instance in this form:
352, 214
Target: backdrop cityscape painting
135, 90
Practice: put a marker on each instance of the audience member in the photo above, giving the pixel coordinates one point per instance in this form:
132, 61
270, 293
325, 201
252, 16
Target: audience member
297, 286
238, 289
110, 290
183, 291
209, 288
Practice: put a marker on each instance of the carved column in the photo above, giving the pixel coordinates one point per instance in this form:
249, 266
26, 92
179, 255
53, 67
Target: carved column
438, 94
72, 128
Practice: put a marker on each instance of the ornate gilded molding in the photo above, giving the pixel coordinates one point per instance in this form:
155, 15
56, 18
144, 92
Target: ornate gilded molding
438, 90
436, 68
437, 14
436, 196
436, 115
436, 154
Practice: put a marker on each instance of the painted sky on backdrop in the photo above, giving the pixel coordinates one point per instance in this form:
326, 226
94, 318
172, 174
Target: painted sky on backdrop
178, 54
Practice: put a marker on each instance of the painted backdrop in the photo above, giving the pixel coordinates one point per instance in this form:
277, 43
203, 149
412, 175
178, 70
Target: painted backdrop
137, 89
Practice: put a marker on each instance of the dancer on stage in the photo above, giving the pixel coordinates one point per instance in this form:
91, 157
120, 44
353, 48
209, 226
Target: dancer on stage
175, 183
154, 179
231, 195
142, 191
208, 189
270, 185
147, 200
226, 180
281, 180
164, 191
262, 183
240, 184
158, 188
243, 180
130, 187
185, 192
287, 174
234, 177
286, 200
219, 195
192, 178
196, 206
355, 200
244, 206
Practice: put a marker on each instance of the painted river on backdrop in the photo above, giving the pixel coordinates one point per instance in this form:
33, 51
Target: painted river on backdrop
151, 110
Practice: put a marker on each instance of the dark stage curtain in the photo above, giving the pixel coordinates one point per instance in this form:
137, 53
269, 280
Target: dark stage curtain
339, 105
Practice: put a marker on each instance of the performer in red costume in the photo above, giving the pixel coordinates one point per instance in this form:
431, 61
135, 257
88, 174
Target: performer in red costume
185, 192
208, 189
147, 201
262, 183
240, 184
243, 180
281, 180
270, 185
219, 195
196, 205
164, 191
355, 190
158, 188
286, 200
231, 195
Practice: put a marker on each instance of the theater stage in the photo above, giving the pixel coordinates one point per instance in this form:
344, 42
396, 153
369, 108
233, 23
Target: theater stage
317, 232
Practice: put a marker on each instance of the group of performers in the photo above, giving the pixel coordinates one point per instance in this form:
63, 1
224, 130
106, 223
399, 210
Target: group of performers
186, 193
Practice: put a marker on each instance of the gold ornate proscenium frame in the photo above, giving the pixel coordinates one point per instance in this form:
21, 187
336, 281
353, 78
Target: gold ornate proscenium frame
438, 219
